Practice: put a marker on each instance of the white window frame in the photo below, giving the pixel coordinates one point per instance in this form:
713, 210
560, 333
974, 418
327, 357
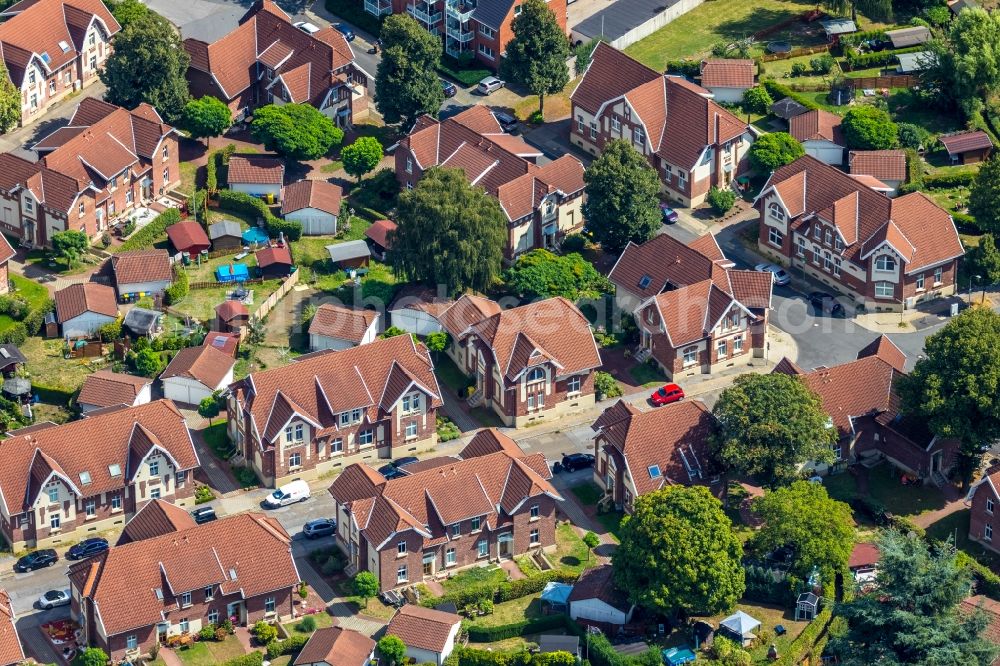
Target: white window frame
884, 289
401, 548
775, 237
738, 345
938, 275
721, 349
131, 642
295, 459
533, 511
185, 599
689, 356
411, 430
482, 548
534, 537
476, 524
366, 437
269, 605
885, 264
55, 521
90, 508
401, 574
574, 384
53, 490
450, 557
989, 506
919, 282
775, 210
337, 445
116, 502
988, 533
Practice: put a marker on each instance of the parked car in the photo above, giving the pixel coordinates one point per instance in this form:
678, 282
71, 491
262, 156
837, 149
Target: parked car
87, 548
307, 27
575, 461
36, 560
290, 493
826, 304
666, 394
404, 461
390, 472
779, 274
508, 123
489, 85
668, 214
345, 30
205, 514
449, 88
320, 527
54, 598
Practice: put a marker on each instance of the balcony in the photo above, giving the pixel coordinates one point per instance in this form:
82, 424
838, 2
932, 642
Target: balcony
459, 34
378, 7
460, 10
425, 13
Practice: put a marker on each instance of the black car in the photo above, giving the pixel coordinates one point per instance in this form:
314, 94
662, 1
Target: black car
507, 122
205, 514
390, 472
345, 30
826, 304
320, 527
87, 548
575, 461
403, 462
449, 88
36, 560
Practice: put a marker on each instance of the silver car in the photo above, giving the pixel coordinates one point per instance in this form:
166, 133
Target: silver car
54, 598
306, 27
780, 275
489, 85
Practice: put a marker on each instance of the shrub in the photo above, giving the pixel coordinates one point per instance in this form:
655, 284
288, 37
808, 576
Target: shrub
938, 15
203, 494
207, 633
780, 91
478, 634
823, 64
145, 237
239, 202
176, 292
264, 632
392, 649
949, 180
757, 100
332, 566
605, 385
112, 330
799, 68
912, 136
856, 38
583, 52
252, 659
573, 243
721, 200
307, 625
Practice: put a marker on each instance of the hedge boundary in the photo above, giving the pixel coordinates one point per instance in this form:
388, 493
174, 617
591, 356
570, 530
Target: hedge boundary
244, 204
145, 237
480, 634
501, 592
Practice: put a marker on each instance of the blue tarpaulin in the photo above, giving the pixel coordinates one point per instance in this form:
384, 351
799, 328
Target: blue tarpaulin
556, 593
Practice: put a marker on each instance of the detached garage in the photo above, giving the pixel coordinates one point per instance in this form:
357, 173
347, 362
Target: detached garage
315, 204
257, 176
595, 599
197, 372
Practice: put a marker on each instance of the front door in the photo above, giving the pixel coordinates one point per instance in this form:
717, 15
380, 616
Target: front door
505, 546
429, 561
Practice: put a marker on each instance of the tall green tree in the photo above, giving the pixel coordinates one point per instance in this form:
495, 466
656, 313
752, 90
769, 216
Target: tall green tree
678, 554
802, 517
69, 245
773, 150
876, 10
869, 128
984, 260
362, 156
127, 11
10, 102
914, 616
954, 387
622, 197
966, 66
769, 425
406, 80
206, 116
298, 131
985, 195
392, 649
449, 233
149, 65
536, 56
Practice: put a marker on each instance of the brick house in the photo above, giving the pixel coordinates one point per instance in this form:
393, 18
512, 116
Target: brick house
983, 500
480, 27
61, 483
884, 254
104, 163
52, 48
861, 399
267, 60
639, 452
330, 409
695, 313
11, 650
530, 363
494, 504
691, 141
542, 203
179, 578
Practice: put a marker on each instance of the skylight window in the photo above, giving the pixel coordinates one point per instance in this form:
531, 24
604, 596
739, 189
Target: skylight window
159, 593
84, 478
114, 469
64, 46
645, 282
45, 57
654, 471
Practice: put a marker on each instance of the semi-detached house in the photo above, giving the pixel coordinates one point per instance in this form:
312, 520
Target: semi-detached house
691, 141
52, 48
333, 408
494, 504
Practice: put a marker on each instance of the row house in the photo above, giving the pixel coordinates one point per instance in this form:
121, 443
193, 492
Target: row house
494, 504
106, 162
861, 399
332, 408
478, 27
52, 48
531, 363
178, 577
541, 203
696, 314
983, 501
691, 141
884, 254
639, 452
61, 483
267, 60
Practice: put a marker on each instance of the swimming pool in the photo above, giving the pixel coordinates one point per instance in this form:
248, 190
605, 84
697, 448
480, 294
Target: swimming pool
232, 273
254, 235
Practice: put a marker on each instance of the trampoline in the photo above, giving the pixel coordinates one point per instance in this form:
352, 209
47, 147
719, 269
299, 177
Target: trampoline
779, 46
676, 656
254, 235
232, 273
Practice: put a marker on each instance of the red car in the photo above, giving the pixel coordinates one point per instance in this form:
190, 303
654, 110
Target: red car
666, 394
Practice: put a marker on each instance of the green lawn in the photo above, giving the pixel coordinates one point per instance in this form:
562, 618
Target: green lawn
189, 173
886, 489
449, 373
769, 617
210, 653
218, 439
473, 577
588, 493
906, 107
48, 260
322, 620
647, 375
375, 608
571, 552
200, 303
509, 612
47, 365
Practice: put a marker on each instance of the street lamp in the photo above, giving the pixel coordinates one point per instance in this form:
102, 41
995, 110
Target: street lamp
977, 278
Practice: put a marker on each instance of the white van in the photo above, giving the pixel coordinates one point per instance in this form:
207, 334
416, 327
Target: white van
290, 493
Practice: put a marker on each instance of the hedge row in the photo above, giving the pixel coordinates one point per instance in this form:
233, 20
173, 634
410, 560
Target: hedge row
480, 634
217, 168
780, 90
804, 642
500, 592
20, 331
252, 659
856, 38
179, 288
244, 204
145, 237
946, 180
855, 60
466, 656
686, 67
987, 582
290, 645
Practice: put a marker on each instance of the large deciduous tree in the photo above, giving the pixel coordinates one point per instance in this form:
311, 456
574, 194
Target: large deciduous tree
127, 11
877, 10
773, 150
406, 80
206, 116
914, 616
10, 102
536, 56
802, 517
362, 156
149, 65
985, 196
954, 387
769, 425
298, 131
69, 245
449, 233
541, 274
622, 197
869, 128
678, 554
984, 260
966, 64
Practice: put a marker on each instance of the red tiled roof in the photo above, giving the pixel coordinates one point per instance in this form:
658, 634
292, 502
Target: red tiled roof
816, 124
138, 266
204, 364
423, 628
853, 389
336, 646
728, 73
157, 518
487, 441
378, 232
342, 322
609, 75
230, 309
885, 165
11, 651
883, 348
256, 170
74, 300
961, 142
466, 311
317, 194
227, 343
872, 182
278, 254
188, 235
863, 555
106, 389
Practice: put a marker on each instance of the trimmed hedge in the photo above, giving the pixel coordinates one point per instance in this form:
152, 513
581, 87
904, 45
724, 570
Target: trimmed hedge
179, 288
987, 582
779, 90
479, 634
500, 592
290, 645
252, 659
52, 395
244, 204
145, 237
804, 642
686, 67
946, 180
856, 38
855, 60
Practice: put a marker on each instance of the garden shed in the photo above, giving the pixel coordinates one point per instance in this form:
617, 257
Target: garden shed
595, 598
352, 254
806, 606
225, 235
740, 627
142, 322
835, 27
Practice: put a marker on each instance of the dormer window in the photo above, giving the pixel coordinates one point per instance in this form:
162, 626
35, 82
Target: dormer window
477, 523
828, 237
53, 492
817, 232
885, 264
345, 418
775, 211
411, 403
536, 375
29, 205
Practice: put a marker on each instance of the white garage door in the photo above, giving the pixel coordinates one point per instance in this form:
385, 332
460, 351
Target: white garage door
181, 392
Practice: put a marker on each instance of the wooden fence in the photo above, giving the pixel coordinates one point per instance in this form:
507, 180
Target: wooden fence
264, 308
213, 285
795, 53
889, 81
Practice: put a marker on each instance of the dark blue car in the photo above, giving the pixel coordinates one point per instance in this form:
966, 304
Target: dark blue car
88, 548
345, 30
